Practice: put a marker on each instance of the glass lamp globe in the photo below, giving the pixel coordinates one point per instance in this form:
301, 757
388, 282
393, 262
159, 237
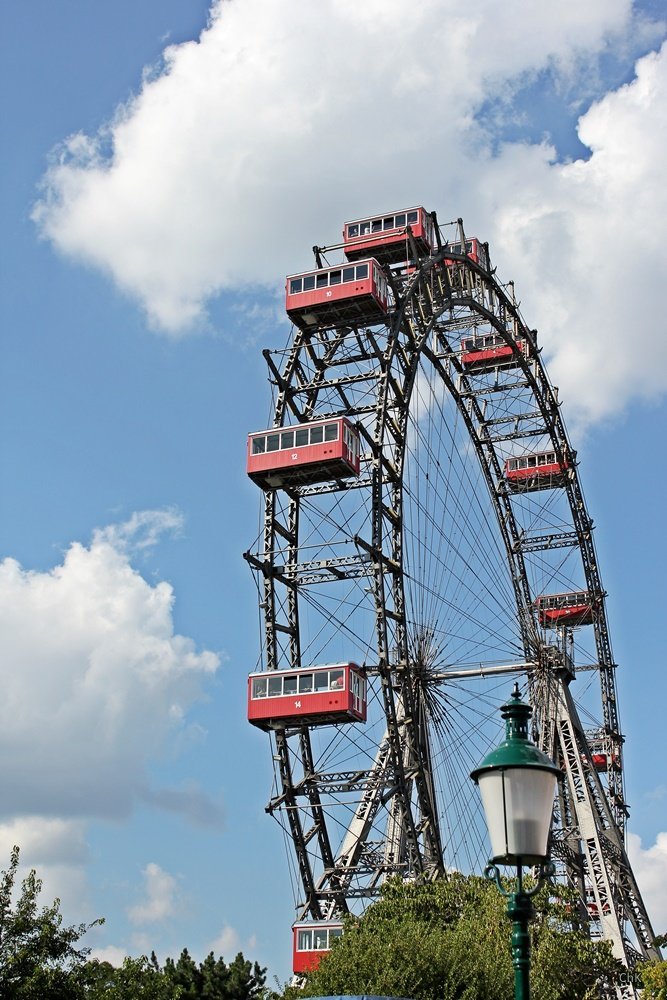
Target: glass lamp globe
517, 783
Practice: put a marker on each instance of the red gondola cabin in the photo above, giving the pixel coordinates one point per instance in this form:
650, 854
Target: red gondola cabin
489, 351
599, 761
385, 237
592, 906
541, 471
572, 609
349, 294
474, 249
306, 453
311, 940
324, 695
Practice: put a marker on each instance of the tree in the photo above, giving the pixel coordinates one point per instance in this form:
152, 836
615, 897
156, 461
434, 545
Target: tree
143, 979
185, 975
245, 979
214, 980
39, 959
136, 979
450, 940
653, 976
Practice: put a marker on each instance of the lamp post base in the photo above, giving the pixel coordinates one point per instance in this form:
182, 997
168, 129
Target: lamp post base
520, 911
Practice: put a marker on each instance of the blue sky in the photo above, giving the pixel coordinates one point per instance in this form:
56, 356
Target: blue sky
160, 178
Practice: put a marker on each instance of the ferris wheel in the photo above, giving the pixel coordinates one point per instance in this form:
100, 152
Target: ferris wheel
425, 544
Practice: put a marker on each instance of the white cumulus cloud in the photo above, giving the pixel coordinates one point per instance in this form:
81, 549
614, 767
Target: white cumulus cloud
110, 953
95, 680
44, 840
142, 530
57, 849
587, 238
649, 866
227, 942
260, 138
160, 899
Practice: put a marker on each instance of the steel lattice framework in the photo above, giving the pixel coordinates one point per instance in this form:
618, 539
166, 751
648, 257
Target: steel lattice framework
425, 569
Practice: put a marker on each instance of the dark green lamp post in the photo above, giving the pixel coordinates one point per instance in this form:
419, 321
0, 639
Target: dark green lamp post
517, 783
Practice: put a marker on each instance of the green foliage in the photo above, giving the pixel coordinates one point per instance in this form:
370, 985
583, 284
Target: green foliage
450, 940
184, 974
143, 979
39, 959
213, 979
653, 977
136, 979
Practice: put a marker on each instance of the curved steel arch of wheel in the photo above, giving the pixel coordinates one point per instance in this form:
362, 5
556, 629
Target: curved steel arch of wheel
425, 570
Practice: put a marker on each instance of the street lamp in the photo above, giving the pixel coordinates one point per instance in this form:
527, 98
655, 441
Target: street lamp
517, 783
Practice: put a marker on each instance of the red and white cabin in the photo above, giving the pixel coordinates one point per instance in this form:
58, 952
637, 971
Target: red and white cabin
303, 454
599, 761
347, 294
572, 609
539, 471
385, 236
474, 249
592, 906
311, 940
324, 695
489, 351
